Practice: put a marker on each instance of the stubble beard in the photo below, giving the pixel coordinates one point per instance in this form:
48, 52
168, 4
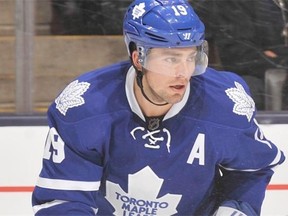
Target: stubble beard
164, 97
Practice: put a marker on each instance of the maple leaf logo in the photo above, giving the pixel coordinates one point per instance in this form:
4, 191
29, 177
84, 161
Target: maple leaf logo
244, 104
71, 96
138, 11
141, 199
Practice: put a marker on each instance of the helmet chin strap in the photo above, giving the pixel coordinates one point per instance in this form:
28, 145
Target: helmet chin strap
139, 78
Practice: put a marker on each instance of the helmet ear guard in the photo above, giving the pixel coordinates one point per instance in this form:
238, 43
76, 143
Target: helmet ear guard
136, 61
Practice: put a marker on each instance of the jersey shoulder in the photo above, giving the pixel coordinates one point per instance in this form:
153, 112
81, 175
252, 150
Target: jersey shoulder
223, 98
93, 93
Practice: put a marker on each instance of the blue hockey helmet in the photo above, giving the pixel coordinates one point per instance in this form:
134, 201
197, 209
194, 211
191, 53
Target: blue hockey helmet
164, 24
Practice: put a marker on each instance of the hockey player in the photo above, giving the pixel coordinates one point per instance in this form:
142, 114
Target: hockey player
161, 134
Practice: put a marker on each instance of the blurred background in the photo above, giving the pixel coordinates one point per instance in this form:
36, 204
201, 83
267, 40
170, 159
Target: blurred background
44, 44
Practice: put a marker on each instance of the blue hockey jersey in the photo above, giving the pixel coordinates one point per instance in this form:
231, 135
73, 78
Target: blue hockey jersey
102, 157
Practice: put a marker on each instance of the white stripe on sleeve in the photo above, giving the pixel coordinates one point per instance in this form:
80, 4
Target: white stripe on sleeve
58, 184
37, 208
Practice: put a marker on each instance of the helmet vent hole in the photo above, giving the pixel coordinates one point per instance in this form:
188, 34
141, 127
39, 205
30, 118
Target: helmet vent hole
155, 37
184, 29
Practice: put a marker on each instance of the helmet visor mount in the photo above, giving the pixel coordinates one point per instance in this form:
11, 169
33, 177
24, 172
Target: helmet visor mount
175, 61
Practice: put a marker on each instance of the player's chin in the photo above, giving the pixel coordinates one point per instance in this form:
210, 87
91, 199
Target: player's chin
176, 98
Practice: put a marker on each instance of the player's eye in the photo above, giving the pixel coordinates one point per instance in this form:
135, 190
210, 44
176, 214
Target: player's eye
171, 60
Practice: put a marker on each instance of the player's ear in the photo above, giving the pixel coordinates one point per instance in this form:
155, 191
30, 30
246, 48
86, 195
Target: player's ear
135, 60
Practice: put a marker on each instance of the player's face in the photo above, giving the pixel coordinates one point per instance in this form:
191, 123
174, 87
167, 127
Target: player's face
168, 71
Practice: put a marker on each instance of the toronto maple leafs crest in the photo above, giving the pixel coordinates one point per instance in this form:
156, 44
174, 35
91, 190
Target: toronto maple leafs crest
244, 104
142, 196
71, 96
138, 11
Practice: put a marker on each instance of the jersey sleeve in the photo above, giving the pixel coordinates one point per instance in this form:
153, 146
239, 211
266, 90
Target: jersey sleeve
247, 164
77, 145
245, 157
72, 169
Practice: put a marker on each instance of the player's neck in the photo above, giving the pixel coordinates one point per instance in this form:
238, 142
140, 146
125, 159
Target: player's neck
147, 107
